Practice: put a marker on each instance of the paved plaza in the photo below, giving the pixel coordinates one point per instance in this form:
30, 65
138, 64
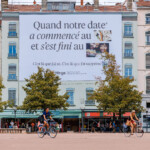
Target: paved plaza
74, 141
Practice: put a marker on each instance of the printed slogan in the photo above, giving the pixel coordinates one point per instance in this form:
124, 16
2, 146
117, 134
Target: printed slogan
70, 45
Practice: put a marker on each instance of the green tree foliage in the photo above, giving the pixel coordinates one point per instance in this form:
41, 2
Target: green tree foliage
115, 93
42, 91
3, 104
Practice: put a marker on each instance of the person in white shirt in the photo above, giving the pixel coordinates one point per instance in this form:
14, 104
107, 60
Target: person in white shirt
12, 123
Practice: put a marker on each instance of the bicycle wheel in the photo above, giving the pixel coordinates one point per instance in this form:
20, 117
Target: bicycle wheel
127, 131
139, 132
41, 133
52, 132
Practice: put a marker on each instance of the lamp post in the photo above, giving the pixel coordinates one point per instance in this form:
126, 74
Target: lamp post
82, 111
15, 110
146, 120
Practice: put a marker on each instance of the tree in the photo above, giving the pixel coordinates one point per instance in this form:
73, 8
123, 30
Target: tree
115, 93
42, 91
3, 104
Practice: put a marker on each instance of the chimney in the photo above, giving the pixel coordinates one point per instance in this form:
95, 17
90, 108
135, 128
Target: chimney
129, 5
96, 4
4, 4
82, 2
44, 4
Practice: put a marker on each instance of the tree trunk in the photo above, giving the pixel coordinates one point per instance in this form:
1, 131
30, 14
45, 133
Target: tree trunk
119, 117
114, 117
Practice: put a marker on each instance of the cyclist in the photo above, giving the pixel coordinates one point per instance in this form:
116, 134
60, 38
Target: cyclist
46, 116
132, 123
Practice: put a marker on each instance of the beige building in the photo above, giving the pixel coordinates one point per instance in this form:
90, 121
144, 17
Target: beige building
0, 45
143, 9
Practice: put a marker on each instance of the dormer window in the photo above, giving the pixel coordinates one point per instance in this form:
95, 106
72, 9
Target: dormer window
61, 5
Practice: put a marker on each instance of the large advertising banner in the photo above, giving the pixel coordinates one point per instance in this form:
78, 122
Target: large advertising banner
68, 44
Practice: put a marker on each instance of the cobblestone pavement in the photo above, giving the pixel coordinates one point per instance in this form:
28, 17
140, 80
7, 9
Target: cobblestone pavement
74, 141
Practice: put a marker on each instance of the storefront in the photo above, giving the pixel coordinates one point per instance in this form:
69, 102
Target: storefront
69, 120
100, 119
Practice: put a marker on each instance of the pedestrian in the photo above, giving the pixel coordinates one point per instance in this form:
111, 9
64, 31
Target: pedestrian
6, 125
12, 124
98, 126
15, 126
110, 127
114, 126
57, 127
22, 125
93, 127
60, 127
32, 125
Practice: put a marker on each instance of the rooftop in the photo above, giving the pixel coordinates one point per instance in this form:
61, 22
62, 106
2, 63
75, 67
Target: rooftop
37, 8
143, 3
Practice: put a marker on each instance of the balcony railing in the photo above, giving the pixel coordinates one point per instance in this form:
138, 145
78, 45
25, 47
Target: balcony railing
12, 56
147, 22
131, 77
147, 66
71, 103
147, 91
128, 55
128, 34
90, 103
12, 34
12, 77
147, 43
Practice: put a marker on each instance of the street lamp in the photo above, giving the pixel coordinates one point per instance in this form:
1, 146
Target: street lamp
82, 111
15, 110
147, 119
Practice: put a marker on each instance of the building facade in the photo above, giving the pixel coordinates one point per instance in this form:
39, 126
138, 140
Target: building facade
77, 90
143, 7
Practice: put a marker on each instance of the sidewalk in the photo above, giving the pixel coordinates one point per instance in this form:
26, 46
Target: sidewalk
74, 141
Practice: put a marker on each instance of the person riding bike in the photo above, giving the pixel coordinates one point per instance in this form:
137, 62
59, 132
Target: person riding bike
46, 116
131, 121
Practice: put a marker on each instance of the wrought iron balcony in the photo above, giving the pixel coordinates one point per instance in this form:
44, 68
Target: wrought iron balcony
12, 56
90, 103
131, 77
12, 34
128, 55
12, 77
128, 34
147, 43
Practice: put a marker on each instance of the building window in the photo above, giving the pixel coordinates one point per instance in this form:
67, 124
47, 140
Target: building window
12, 30
12, 50
55, 6
147, 18
65, 7
128, 50
147, 34
148, 61
128, 71
148, 85
70, 92
12, 95
12, 72
89, 92
128, 30
148, 104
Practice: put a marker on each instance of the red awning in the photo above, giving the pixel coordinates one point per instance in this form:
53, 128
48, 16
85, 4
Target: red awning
92, 114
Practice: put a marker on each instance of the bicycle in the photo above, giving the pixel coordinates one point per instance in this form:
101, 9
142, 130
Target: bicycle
138, 130
50, 132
